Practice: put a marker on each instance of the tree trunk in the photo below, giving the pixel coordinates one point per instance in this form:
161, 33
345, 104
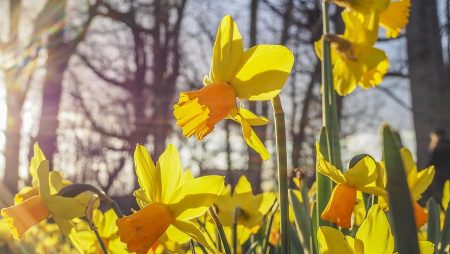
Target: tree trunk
13, 134
14, 99
429, 87
57, 61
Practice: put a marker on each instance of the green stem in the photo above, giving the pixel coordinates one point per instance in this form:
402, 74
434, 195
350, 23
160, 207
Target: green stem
269, 228
219, 227
77, 188
280, 130
100, 241
235, 225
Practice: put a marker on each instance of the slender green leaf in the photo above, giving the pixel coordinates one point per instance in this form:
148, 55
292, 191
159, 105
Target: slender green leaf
400, 204
302, 221
433, 230
445, 236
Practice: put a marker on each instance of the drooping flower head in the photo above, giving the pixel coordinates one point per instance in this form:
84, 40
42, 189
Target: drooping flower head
392, 15
168, 202
255, 74
33, 206
362, 176
355, 60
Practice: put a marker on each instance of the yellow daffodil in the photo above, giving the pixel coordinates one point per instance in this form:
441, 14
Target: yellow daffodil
362, 176
418, 182
36, 207
167, 201
392, 15
251, 208
107, 228
373, 237
355, 60
256, 74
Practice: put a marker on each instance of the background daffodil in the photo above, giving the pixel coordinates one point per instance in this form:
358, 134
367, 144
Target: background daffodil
392, 15
107, 230
168, 202
250, 208
355, 60
362, 176
255, 74
373, 237
33, 207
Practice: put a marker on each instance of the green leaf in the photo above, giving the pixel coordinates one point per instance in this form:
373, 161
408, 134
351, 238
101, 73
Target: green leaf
433, 230
315, 226
302, 220
294, 243
324, 184
400, 204
445, 237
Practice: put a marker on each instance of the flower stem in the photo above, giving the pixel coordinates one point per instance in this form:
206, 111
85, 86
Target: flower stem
235, 225
329, 136
77, 188
219, 227
100, 241
280, 131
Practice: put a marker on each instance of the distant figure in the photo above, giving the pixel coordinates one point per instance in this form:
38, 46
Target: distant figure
439, 157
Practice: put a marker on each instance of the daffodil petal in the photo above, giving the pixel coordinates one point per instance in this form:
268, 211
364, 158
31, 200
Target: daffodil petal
363, 173
408, 161
38, 157
190, 229
43, 177
67, 208
147, 175
169, 165
361, 28
424, 179
426, 247
109, 226
174, 234
243, 186
263, 71
251, 138
227, 52
375, 233
327, 169
252, 118
194, 197
332, 241
266, 201
395, 17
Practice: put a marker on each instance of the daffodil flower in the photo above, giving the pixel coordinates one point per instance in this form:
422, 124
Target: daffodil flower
392, 15
373, 237
355, 60
46, 203
250, 208
418, 182
255, 74
362, 176
107, 228
168, 202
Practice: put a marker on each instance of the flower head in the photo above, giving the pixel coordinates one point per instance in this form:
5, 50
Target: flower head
34, 207
374, 236
168, 202
107, 230
355, 60
255, 74
251, 208
392, 15
362, 176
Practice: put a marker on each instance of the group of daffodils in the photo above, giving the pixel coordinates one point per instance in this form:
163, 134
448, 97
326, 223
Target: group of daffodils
177, 209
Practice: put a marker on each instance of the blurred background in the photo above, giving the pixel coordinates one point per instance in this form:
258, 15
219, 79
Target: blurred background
88, 79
